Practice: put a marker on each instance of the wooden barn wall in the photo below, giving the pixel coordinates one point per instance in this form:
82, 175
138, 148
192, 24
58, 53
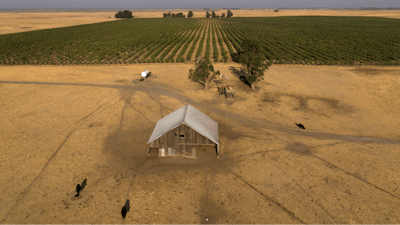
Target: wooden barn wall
182, 138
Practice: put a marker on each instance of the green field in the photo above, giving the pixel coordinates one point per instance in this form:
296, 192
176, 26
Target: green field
288, 40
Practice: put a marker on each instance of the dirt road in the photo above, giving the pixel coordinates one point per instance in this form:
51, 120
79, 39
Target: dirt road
62, 124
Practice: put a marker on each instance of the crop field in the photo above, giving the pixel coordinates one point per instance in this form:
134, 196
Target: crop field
284, 40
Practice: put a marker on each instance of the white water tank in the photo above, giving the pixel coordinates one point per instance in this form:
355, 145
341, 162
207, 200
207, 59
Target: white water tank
145, 73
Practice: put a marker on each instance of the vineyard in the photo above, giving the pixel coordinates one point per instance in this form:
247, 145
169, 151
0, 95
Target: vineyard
284, 40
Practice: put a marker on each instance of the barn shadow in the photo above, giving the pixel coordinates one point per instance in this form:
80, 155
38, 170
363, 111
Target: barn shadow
189, 184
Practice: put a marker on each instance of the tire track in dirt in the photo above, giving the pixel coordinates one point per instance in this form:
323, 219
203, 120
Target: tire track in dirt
271, 199
162, 106
315, 200
159, 90
208, 207
126, 96
29, 187
141, 113
355, 176
304, 151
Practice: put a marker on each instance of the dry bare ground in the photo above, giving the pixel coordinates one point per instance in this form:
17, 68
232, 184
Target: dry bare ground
22, 21
14, 22
61, 124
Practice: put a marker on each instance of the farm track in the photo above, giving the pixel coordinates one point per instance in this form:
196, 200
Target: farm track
159, 90
269, 171
292, 40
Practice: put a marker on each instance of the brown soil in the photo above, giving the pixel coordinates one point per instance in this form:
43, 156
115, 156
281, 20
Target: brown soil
14, 22
62, 124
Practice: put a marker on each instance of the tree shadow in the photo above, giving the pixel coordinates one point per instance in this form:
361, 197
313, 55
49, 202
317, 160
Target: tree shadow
219, 86
240, 73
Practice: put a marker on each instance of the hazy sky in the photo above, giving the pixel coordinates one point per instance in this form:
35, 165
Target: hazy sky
132, 4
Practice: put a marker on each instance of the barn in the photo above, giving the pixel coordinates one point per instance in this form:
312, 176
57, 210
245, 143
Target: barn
182, 132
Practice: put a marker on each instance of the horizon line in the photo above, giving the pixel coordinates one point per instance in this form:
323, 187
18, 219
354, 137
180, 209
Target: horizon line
219, 8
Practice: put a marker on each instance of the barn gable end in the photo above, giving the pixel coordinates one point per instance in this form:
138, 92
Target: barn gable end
183, 130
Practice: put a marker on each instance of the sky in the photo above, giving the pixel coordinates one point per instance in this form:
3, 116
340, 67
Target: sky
172, 4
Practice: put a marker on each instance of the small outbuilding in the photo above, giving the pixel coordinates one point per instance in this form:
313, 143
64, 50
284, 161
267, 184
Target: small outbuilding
183, 131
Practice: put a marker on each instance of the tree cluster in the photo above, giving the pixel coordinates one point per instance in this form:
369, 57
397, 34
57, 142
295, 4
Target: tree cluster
173, 15
204, 73
124, 14
214, 15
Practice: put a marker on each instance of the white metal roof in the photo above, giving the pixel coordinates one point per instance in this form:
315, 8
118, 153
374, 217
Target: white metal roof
192, 118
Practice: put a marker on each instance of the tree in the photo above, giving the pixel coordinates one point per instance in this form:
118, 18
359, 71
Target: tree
204, 73
213, 15
127, 14
119, 14
229, 14
253, 61
124, 14
190, 14
223, 15
276, 10
180, 15
208, 14
173, 15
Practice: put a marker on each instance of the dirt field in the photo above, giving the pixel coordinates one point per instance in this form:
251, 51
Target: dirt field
13, 22
61, 124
